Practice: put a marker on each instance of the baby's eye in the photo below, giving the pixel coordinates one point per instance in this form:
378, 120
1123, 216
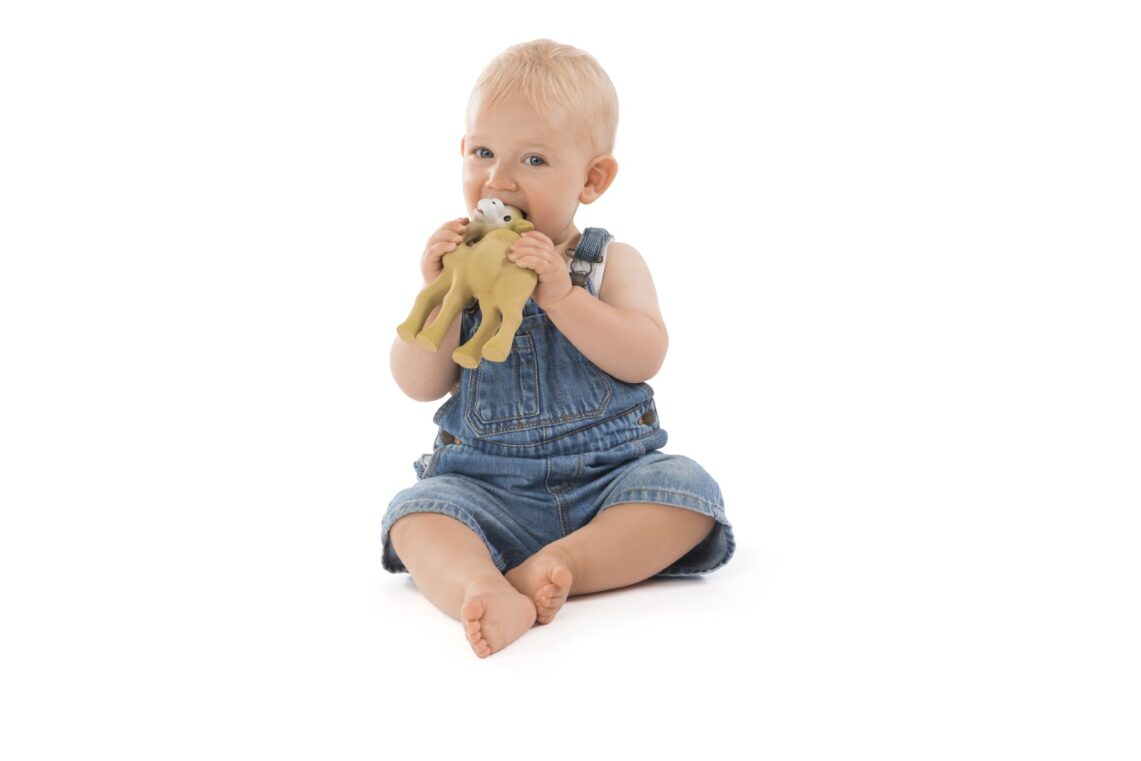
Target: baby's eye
539, 159
483, 153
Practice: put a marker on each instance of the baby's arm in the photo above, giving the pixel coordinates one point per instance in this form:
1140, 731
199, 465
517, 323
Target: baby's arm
422, 374
622, 330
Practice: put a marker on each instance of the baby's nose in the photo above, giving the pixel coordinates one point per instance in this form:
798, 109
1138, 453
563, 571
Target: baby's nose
499, 178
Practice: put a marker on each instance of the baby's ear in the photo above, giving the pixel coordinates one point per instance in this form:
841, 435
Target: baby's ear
600, 174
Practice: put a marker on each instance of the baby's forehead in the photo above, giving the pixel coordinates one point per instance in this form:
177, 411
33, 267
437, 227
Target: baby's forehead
517, 117
546, 140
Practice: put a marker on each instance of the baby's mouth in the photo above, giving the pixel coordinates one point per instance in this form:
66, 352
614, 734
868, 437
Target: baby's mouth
526, 214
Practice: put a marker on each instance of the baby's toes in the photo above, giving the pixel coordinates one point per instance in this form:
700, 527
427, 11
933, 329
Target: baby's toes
561, 578
471, 613
550, 597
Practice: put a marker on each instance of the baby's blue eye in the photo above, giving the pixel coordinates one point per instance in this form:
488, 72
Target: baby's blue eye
539, 158
480, 152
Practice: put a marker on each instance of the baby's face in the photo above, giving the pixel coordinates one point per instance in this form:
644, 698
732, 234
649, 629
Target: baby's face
535, 163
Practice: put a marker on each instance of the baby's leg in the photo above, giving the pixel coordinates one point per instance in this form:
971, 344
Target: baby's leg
623, 545
453, 568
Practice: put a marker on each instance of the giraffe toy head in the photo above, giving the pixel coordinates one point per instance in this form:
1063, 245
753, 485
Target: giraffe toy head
492, 214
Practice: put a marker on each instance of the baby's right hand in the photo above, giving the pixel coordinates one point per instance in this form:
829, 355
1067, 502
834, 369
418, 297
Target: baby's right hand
443, 241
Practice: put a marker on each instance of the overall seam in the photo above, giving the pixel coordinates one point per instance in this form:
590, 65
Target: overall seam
560, 506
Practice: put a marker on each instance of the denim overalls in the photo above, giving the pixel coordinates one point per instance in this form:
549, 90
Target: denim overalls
533, 448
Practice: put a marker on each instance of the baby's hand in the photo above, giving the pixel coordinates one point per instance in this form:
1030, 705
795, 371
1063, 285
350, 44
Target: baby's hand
535, 251
443, 241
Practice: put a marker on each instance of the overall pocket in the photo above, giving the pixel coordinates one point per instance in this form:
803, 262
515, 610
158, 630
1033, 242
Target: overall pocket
505, 395
574, 389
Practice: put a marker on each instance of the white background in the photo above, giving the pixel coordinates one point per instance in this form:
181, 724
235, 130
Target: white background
896, 245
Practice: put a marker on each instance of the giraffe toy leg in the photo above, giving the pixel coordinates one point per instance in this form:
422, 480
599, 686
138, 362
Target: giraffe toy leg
429, 297
468, 354
432, 336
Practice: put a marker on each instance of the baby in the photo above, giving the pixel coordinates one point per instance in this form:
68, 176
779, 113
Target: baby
546, 480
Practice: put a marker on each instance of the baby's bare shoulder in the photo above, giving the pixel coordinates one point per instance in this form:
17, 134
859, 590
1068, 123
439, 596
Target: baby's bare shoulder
624, 258
625, 264
627, 282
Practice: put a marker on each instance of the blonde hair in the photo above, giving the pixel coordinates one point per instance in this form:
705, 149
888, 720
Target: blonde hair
551, 76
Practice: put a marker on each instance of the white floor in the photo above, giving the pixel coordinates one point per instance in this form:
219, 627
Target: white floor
263, 626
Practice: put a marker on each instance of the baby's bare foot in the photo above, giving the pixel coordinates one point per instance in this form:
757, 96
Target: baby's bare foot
546, 578
494, 616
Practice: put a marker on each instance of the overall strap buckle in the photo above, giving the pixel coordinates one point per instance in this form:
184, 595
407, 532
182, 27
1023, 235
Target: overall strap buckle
588, 252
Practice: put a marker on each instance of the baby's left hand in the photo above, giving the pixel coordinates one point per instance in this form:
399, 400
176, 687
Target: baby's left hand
535, 251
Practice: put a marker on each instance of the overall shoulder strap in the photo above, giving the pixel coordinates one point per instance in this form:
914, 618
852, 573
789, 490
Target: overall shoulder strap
588, 252
592, 244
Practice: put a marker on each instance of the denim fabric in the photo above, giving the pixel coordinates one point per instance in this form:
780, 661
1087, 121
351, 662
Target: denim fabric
532, 449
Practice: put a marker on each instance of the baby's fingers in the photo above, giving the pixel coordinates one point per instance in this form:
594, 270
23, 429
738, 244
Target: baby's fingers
536, 235
446, 236
457, 223
443, 247
532, 261
526, 262
456, 226
527, 246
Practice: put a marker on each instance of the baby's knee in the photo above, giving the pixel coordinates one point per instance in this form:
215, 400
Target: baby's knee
702, 524
414, 525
